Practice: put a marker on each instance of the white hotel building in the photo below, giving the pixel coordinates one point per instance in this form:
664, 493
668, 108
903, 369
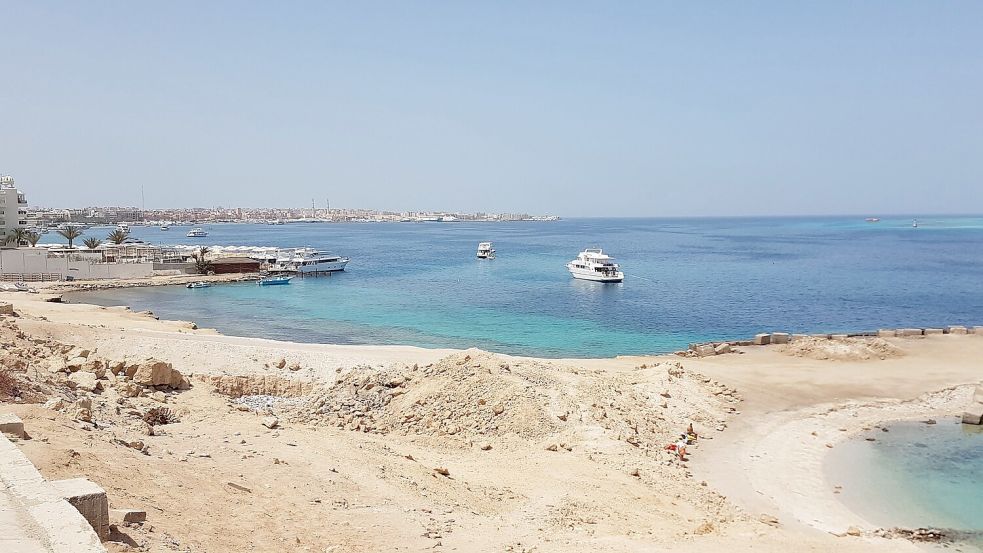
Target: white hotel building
13, 210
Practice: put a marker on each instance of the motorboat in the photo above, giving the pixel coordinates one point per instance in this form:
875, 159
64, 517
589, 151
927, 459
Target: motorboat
872, 220
199, 284
308, 260
275, 280
197, 232
486, 251
165, 227
914, 224
594, 264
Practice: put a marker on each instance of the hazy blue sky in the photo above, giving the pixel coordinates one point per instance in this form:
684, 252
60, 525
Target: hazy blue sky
574, 108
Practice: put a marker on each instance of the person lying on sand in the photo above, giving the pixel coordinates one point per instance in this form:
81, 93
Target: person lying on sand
681, 447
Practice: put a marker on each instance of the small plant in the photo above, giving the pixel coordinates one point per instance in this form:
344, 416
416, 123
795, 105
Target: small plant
92, 243
160, 415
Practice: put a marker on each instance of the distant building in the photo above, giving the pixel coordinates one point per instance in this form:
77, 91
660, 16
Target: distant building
13, 210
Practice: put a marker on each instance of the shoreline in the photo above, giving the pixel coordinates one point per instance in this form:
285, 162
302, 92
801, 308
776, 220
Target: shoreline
778, 456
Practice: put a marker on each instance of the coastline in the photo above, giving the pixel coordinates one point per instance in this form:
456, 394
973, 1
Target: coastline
777, 469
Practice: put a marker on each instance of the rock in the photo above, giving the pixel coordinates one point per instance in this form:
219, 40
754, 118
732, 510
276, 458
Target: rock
762, 339
159, 397
122, 516
281, 363
854, 531
973, 415
55, 404
294, 367
705, 350
75, 364
442, 471
128, 389
484, 446
152, 372
635, 472
83, 414
84, 381
722, 349
95, 366
552, 447
271, 422
498, 409
770, 520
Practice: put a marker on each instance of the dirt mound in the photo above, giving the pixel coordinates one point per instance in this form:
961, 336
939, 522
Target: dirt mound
850, 349
469, 394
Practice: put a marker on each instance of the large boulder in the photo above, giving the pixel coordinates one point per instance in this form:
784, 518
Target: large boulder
152, 372
83, 380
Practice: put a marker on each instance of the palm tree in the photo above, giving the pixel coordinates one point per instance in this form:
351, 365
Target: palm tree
33, 237
118, 236
70, 234
92, 243
17, 237
202, 265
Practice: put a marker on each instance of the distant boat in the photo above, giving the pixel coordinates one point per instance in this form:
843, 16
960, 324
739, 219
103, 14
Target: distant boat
197, 232
164, 227
275, 280
914, 223
193, 285
594, 264
872, 220
486, 251
308, 260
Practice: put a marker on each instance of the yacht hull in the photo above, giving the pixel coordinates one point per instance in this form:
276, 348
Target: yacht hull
324, 267
595, 277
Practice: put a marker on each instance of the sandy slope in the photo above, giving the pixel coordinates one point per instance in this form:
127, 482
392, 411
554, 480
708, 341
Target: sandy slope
347, 471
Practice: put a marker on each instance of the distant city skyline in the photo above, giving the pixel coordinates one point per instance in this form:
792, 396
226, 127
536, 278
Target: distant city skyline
573, 109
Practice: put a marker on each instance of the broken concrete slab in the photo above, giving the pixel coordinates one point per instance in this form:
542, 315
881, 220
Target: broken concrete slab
121, 516
762, 339
11, 425
89, 499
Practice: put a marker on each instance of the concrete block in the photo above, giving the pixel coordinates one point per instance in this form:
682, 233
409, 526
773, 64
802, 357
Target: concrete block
887, 333
840, 337
6, 308
12, 425
956, 330
821, 336
933, 331
762, 339
120, 516
779, 338
89, 499
978, 330
795, 337
705, 350
722, 348
908, 332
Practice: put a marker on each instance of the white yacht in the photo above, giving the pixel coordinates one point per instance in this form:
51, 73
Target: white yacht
197, 232
164, 227
123, 227
594, 264
486, 251
308, 260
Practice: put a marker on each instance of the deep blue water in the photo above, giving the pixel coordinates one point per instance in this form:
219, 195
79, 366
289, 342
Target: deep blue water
916, 475
687, 280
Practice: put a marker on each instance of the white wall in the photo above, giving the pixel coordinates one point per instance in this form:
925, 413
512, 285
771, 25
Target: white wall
28, 260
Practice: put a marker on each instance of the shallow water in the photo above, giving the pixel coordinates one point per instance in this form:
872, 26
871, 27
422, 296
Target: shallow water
914, 475
687, 280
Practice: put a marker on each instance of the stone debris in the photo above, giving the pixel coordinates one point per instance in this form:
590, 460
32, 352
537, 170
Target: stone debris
974, 411
11, 425
270, 422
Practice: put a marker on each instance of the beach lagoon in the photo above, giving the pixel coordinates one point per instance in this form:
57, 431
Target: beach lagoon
914, 475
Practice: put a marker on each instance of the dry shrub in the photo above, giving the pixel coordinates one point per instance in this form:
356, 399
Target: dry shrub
159, 415
8, 384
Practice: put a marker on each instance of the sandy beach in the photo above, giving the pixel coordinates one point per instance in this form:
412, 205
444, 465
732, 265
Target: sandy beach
391, 448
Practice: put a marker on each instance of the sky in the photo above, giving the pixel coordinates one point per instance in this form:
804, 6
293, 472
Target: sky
569, 108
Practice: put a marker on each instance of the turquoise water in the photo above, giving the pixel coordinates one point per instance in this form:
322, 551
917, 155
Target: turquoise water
915, 475
687, 280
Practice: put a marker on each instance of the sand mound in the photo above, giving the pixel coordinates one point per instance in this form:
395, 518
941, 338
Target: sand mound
477, 394
851, 349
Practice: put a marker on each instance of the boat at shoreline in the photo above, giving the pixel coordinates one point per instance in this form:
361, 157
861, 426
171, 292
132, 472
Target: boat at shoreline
485, 250
275, 280
308, 261
197, 232
194, 285
593, 264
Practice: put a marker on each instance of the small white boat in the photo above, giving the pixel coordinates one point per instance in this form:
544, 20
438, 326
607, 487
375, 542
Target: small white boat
914, 224
872, 220
198, 285
486, 251
275, 280
197, 232
594, 264
165, 227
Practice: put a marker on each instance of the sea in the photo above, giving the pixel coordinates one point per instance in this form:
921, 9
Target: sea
687, 280
915, 475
